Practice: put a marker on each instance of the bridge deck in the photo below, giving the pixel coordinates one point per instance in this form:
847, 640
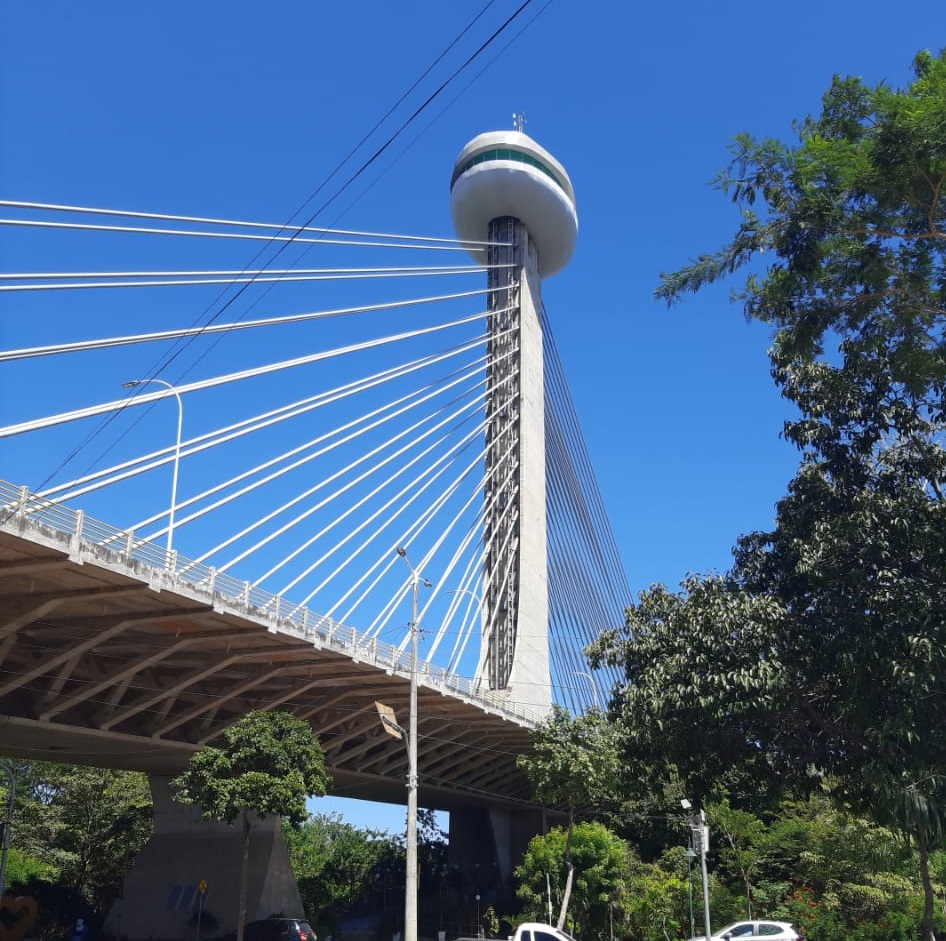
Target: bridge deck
110, 660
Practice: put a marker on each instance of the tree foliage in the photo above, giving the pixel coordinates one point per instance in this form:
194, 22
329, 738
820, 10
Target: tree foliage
270, 764
600, 866
335, 865
573, 766
75, 834
821, 654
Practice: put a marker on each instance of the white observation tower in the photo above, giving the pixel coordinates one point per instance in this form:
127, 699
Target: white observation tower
513, 205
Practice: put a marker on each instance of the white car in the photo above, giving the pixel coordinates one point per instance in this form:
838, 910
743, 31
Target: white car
753, 930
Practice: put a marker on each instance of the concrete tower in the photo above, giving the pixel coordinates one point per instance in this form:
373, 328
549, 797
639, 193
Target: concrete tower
513, 205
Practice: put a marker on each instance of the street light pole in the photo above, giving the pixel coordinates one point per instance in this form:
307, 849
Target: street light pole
177, 449
9, 769
594, 685
410, 876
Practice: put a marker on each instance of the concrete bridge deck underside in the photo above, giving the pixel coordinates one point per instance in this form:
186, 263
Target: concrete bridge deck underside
107, 665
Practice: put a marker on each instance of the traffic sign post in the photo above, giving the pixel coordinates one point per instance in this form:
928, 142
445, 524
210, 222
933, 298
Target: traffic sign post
202, 889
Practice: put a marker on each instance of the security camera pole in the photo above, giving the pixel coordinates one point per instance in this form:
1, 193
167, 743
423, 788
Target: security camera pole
700, 835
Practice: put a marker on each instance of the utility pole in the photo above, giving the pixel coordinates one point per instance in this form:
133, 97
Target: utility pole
410, 876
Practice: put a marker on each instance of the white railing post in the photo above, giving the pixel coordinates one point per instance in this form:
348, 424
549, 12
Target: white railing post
77, 531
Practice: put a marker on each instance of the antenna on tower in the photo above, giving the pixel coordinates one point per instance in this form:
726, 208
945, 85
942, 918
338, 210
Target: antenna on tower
518, 120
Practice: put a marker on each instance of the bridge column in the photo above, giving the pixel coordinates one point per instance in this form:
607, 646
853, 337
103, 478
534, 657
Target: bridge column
161, 893
488, 843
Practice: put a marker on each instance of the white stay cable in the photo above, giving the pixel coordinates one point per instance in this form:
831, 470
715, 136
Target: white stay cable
444, 459
245, 427
64, 417
404, 537
381, 621
487, 626
202, 220
336, 438
166, 279
83, 346
256, 524
444, 533
453, 246
381, 567
467, 588
384, 616
474, 529
489, 629
473, 532
420, 396
388, 558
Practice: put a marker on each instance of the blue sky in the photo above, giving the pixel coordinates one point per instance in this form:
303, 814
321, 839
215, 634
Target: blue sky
240, 110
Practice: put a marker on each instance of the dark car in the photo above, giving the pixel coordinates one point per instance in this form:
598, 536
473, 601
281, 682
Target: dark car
278, 929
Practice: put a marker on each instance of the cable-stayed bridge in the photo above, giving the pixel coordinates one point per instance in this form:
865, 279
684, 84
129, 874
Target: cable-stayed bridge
216, 435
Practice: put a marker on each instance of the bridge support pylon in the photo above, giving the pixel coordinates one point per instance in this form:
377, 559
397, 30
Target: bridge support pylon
162, 894
513, 206
514, 657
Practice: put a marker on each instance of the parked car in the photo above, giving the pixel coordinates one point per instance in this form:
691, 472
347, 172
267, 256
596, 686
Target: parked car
277, 929
536, 931
752, 930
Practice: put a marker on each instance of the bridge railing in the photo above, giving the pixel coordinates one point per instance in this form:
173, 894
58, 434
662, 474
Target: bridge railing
88, 539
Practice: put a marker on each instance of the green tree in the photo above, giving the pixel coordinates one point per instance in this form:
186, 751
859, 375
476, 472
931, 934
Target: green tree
598, 860
573, 766
656, 903
743, 843
270, 764
334, 864
85, 825
822, 652
76, 831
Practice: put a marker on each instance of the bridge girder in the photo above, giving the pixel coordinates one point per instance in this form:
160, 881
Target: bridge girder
102, 666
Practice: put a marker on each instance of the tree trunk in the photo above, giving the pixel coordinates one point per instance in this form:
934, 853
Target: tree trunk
926, 925
244, 872
566, 897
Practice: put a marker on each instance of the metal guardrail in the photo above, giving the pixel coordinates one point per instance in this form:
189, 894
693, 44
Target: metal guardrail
24, 513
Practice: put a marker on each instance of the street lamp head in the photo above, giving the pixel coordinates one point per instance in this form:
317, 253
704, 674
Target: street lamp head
685, 804
131, 383
402, 552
